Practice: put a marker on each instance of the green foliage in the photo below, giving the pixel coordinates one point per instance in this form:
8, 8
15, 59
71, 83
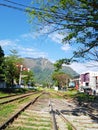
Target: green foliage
29, 78
6, 110
83, 97
11, 70
2, 76
79, 18
69, 126
61, 79
59, 63
1, 55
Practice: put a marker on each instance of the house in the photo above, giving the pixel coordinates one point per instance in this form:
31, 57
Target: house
74, 82
89, 80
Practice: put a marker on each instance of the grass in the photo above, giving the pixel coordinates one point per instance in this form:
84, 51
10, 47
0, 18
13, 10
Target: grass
8, 91
36, 117
24, 128
24, 100
5, 110
37, 121
74, 94
20, 128
83, 97
2, 94
70, 93
38, 124
69, 127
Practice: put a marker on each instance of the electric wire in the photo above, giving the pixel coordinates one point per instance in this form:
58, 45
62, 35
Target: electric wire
14, 7
21, 7
26, 6
29, 9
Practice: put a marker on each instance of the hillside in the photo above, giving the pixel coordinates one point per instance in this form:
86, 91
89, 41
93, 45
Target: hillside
43, 69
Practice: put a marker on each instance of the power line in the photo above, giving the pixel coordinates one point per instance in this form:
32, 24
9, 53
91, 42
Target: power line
26, 6
26, 9
16, 3
29, 7
14, 7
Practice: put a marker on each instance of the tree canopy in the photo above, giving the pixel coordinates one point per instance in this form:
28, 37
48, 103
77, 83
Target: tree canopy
61, 79
1, 55
11, 70
1, 64
77, 20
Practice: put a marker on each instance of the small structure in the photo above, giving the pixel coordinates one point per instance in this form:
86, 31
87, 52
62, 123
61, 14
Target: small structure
89, 80
2, 84
74, 82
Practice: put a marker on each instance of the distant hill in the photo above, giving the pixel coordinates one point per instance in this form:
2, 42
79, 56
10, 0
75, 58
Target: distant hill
43, 69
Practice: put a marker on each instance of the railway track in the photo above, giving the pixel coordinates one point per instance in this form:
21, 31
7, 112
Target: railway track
9, 109
34, 115
47, 113
68, 116
14, 98
7, 96
12, 95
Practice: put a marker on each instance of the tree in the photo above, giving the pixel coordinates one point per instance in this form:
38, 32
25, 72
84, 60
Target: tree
61, 79
58, 64
11, 70
77, 20
1, 65
1, 56
28, 78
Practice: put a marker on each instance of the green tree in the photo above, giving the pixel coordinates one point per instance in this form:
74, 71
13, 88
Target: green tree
28, 78
77, 20
2, 76
11, 69
58, 64
61, 79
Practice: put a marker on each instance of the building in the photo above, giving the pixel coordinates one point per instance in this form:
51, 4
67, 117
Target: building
74, 82
89, 80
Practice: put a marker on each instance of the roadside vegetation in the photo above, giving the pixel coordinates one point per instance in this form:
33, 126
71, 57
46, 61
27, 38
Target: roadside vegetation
13, 91
75, 95
7, 110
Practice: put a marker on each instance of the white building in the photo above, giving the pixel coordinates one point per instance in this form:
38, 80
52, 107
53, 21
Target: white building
89, 80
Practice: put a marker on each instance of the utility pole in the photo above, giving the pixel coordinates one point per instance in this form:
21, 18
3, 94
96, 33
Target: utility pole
20, 74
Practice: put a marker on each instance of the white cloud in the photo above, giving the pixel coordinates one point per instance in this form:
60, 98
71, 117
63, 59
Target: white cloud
4, 43
66, 47
36, 34
31, 52
45, 30
28, 36
84, 67
56, 37
22, 50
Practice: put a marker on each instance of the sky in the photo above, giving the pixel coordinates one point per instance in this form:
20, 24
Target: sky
17, 33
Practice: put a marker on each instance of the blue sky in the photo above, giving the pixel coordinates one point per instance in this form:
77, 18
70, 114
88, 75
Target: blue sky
16, 33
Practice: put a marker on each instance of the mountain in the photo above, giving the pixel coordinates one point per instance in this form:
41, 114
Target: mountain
43, 68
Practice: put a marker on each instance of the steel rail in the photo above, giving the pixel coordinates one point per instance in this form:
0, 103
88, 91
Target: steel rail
65, 119
92, 115
53, 117
11, 100
8, 96
89, 113
12, 95
4, 125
